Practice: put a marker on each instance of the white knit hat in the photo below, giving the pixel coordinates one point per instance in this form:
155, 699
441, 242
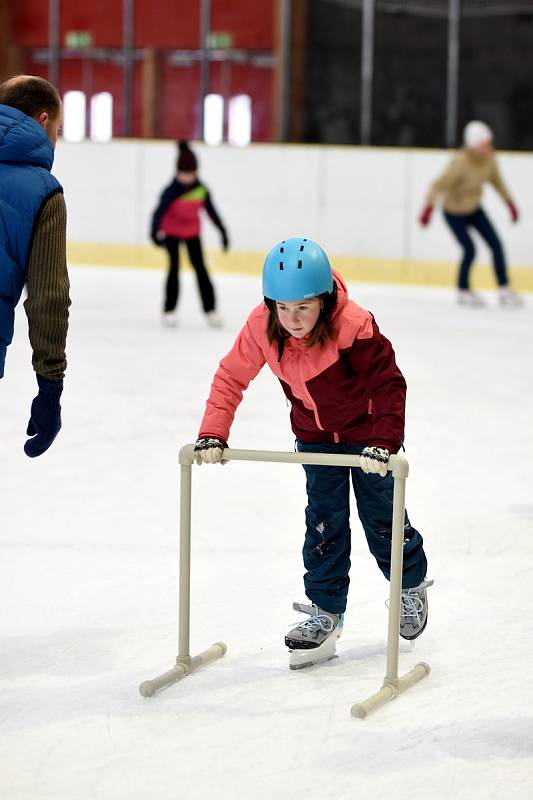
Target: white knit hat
476, 133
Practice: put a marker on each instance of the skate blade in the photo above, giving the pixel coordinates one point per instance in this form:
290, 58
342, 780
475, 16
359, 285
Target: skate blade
304, 664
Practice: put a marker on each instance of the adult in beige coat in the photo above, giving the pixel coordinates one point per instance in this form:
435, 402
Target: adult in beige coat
459, 189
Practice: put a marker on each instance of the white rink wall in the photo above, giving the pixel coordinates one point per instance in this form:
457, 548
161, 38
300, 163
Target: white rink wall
357, 202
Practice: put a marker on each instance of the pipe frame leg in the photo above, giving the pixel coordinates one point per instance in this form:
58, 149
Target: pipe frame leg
185, 664
392, 684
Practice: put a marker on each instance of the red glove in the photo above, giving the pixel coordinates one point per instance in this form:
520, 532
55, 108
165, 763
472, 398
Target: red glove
425, 216
514, 211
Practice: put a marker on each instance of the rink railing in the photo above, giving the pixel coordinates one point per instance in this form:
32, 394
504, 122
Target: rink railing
186, 664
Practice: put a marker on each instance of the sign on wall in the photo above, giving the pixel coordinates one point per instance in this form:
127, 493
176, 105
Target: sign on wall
77, 40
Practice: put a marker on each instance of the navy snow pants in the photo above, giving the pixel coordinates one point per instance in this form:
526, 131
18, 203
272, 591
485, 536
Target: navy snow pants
326, 550
459, 224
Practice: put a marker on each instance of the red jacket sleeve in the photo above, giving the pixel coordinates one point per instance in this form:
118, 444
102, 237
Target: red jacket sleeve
374, 362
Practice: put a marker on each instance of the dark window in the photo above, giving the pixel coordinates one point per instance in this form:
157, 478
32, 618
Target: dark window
496, 73
410, 72
410, 57
332, 91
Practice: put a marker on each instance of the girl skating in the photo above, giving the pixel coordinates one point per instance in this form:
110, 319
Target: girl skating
347, 395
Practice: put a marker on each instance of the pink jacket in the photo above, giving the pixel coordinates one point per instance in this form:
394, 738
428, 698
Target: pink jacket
349, 390
182, 217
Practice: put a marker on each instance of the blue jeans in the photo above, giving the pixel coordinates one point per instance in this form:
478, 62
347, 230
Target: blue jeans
326, 550
459, 224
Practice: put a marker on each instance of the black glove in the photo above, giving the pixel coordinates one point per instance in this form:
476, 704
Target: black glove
225, 240
45, 417
208, 450
158, 238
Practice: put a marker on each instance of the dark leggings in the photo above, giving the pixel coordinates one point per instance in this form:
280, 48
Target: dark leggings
196, 257
459, 224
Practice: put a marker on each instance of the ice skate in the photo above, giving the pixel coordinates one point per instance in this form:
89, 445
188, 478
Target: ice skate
313, 640
467, 298
508, 298
414, 611
169, 319
214, 319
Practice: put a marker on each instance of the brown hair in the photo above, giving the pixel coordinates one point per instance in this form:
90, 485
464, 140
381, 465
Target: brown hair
322, 331
31, 95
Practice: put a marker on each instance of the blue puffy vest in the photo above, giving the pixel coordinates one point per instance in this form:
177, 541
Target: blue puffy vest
26, 158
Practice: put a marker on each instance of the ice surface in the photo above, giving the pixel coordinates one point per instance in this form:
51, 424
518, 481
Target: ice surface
88, 589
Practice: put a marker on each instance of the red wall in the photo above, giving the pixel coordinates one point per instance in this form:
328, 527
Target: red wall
251, 23
164, 25
30, 23
175, 23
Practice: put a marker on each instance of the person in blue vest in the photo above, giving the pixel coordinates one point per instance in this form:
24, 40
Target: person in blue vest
33, 244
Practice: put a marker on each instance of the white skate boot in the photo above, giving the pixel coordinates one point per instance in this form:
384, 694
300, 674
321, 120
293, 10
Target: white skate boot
214, 319
509, 299
169, 319
467, 298
313, 640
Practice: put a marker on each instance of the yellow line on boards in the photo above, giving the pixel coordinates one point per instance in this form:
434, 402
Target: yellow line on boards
363, 270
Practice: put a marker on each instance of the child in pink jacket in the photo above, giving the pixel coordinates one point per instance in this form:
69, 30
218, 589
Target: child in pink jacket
176, 220
347, 396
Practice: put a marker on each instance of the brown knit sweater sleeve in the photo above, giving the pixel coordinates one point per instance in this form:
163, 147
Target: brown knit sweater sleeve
48, 285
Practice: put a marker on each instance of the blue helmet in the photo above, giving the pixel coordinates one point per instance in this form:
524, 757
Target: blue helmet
296, 269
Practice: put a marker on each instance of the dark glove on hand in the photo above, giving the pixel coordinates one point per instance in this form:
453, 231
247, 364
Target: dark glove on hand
425, 216
208, 450
45, 417
158, 238
225, 240
514, 211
